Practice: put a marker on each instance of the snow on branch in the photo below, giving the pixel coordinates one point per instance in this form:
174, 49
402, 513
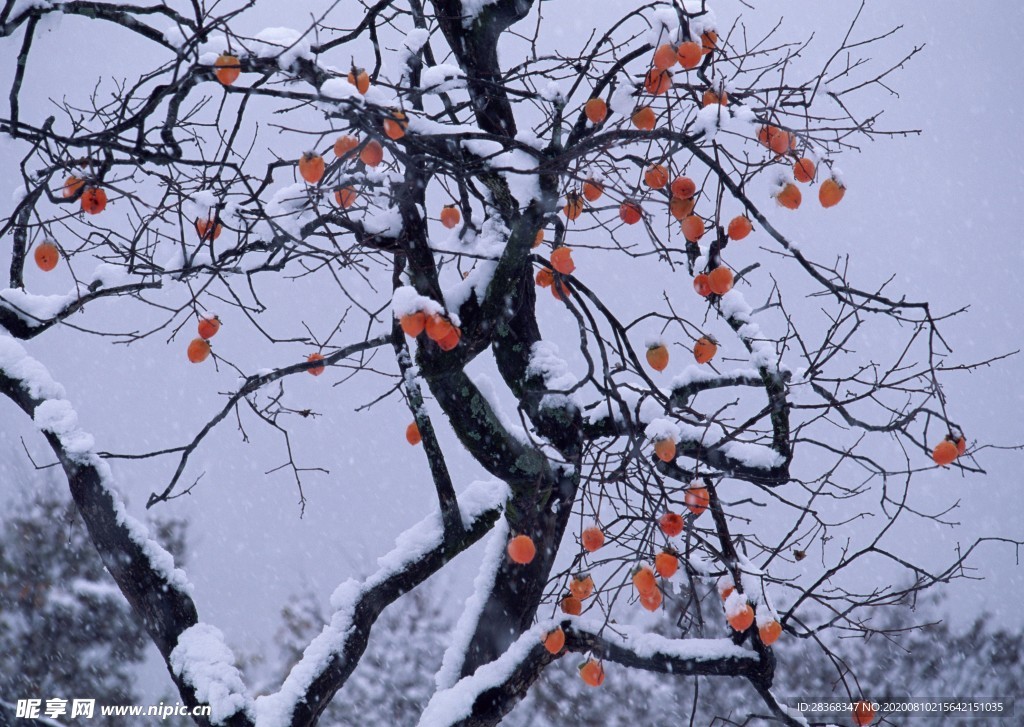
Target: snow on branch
203, 660
494, 688
330, 657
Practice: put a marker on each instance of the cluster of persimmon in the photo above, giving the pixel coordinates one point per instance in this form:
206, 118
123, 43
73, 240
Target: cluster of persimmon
562, 263
199, 348
438, 328
783, 143
949, 449
93, 199
740, 615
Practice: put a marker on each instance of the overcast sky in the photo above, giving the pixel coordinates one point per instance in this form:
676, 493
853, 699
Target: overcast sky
939, 211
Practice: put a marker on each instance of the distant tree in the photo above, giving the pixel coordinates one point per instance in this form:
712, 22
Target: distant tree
394, 680
66, 630
430, 203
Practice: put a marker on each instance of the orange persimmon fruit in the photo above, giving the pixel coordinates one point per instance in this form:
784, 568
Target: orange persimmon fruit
596, 110
739, 227
311, 167
198, 350
228, 69
521, 549
671, 523
704, 349
208, 326
657, 356
561, 260
46, 256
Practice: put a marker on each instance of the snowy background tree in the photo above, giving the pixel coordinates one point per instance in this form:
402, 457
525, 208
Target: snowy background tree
65, 629
576, 267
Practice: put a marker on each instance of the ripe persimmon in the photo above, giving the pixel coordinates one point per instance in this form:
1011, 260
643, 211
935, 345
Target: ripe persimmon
666, 564
681, 208
644, 580
704, 349
863, 713
657, 82
831, 192
344, 145
94, 200
46, 255
689, 54
545, 277
961, 446
228, 69
395, 124
538, 239
710, 98
651, 601
554, 640
778, 140
665, 450
741, 619
582, 586
71, 186
803, 170
571, 605
592, 539
359, 78
708, 41
720, 279
592, 190
739, 227
372, 154
630, 212
692, 228
656, 176
702, 285
592, 673
412, 434
683, 187
789, 196
769, 632
207, 228
697, 500
671, 523
413, 323
657, 356
561, 260
596, 110
345, 197
198, 350
311, 167
573, 206
725, 587
644, 119
521, 549
315, 370
944, 453
664, 56
208, 326
450, 216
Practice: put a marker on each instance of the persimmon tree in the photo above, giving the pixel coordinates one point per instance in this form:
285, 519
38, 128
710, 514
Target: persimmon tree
445, 161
